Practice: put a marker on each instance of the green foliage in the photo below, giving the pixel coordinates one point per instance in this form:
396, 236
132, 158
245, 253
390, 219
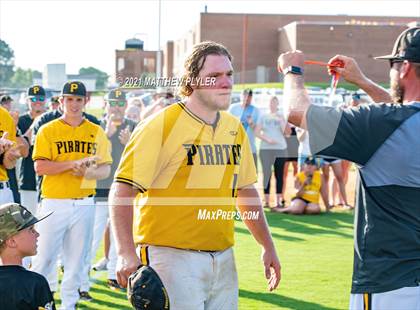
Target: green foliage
23, 78
6, 63
101, 77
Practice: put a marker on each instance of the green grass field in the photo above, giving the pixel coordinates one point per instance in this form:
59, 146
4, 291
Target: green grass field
316, 256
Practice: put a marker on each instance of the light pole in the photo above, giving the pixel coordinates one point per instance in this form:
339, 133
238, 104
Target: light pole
159, 54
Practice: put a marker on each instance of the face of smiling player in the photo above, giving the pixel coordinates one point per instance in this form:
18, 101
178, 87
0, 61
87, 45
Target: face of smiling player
73, 106
215, 95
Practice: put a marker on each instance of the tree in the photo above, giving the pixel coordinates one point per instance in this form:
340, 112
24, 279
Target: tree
101, 77
7, 59
23, 78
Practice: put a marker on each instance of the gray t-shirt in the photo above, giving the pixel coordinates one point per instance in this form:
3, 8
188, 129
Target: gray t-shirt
383, 140
273, 126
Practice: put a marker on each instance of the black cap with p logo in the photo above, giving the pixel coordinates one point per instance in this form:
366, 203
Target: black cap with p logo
36, 90
116, 94
74, 88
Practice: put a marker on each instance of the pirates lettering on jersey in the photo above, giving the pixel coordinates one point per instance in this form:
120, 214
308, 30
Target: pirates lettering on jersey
217, 154
76, 147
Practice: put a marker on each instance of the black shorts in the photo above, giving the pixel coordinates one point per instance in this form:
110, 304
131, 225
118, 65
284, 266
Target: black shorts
307, 201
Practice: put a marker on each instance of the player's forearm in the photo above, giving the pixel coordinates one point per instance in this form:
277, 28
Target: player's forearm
249, 201
23, 146
296, 99
120, 200
48, 167
99, 173
375, 91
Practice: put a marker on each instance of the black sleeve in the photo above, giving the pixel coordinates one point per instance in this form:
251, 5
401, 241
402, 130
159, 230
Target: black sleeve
42, 120
353, 133
103, 124
21, 123
92, 119
44, 298
131, 125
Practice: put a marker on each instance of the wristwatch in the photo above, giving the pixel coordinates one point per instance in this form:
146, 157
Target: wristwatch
293, 70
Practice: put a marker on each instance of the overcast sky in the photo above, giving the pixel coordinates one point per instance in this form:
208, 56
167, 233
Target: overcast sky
83, 33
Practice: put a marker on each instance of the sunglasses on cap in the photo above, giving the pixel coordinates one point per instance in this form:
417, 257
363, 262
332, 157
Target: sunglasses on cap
38, 99
117, 103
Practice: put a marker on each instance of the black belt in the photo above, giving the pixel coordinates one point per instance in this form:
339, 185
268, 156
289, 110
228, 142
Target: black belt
82, 197
5, 184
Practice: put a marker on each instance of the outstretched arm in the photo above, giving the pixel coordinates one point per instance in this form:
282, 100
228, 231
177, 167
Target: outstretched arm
352, 74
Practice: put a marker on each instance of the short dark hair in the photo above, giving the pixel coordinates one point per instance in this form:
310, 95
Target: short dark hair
5, 98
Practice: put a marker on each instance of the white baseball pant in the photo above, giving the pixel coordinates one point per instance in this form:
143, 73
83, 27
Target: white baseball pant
6, 194
406, 298
29, 200
195, 280
69, 228
101, 219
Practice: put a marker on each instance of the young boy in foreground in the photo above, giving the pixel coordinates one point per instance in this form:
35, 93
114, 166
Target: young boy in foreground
20, 289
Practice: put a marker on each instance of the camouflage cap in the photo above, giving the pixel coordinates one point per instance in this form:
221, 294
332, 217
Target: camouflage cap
14, 218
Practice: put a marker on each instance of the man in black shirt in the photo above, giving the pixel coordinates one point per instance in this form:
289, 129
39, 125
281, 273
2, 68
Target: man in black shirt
36, 103
20, 289
382, 139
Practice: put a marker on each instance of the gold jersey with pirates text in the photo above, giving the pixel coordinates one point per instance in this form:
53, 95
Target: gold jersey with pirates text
184, 168
6, 125
58, 141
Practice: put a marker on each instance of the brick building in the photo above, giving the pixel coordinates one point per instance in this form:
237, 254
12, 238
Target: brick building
134, 61
256, 40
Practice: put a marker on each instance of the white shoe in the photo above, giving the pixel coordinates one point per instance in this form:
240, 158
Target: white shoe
101, 264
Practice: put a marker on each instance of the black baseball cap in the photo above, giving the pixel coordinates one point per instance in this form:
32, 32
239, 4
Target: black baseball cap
407, 46
116, 94
36, 90
5, 98
54, 99
146, 291
74, 88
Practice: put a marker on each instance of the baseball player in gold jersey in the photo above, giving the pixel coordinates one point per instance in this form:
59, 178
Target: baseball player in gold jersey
70, 153
9, 153
188, 167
